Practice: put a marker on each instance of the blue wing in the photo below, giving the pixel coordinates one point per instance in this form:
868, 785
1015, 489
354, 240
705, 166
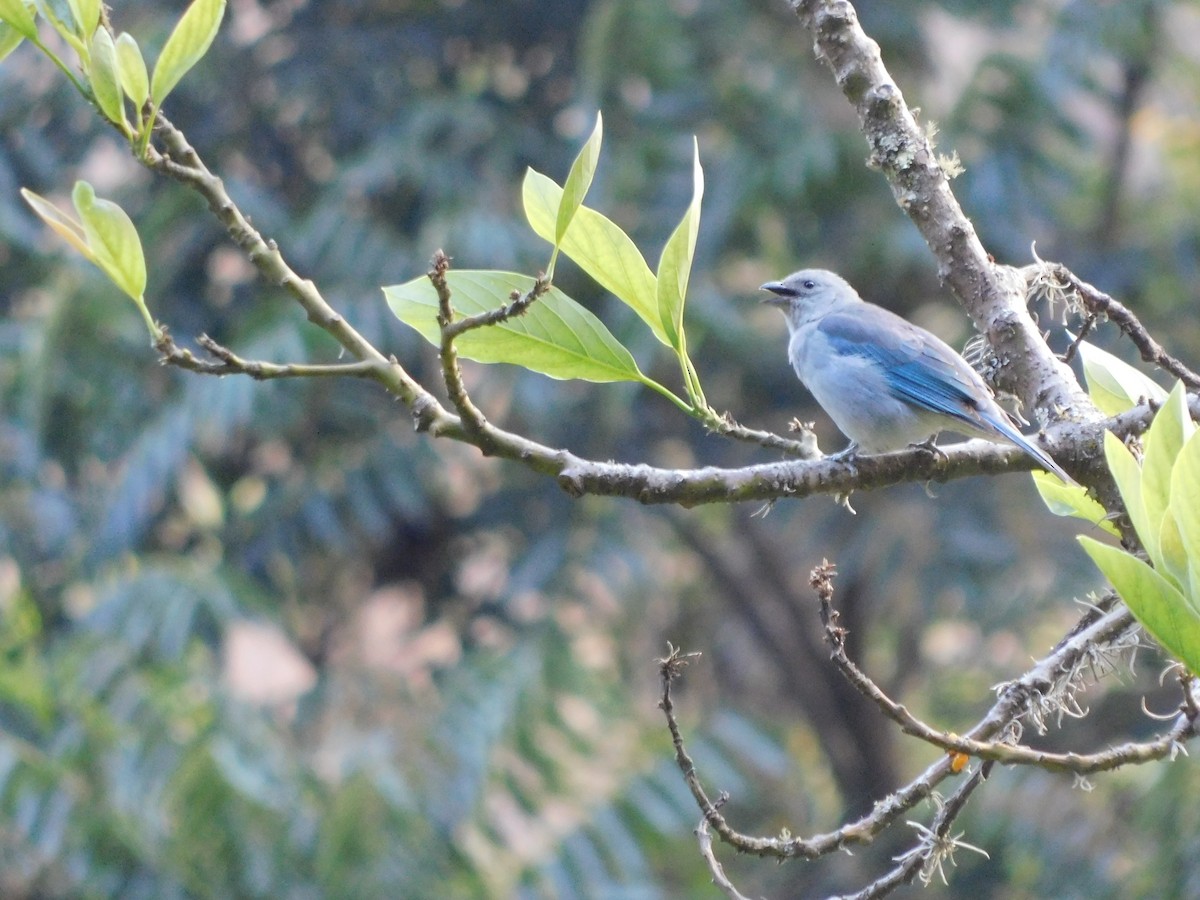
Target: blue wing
919, 369
922, 370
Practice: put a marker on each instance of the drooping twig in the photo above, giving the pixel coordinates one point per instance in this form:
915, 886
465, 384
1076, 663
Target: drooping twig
719, 878
1022, 697
1003, 750
862, 831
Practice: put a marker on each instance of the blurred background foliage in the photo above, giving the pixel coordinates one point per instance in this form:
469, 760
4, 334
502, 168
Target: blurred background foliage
262, 640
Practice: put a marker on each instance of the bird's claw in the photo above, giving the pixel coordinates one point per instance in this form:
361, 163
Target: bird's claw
931, 448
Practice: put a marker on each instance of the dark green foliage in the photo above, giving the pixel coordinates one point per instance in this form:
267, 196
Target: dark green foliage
477, 713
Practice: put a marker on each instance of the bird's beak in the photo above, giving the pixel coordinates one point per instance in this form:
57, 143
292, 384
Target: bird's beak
779, 294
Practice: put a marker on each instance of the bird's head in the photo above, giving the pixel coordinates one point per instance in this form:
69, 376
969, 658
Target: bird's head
809, 294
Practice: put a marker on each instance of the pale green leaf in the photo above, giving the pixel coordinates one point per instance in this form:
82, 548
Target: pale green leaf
579, 179
1071, 500
19, 16
599, 246
10, 39
1172, 555
186, 46
102, 73
62, 16
675, 264
1185, 506
60, 223
1113, 384
87, 16
556, 336
132, 70
1161, 445
1127, 473
113, 239
1161, 609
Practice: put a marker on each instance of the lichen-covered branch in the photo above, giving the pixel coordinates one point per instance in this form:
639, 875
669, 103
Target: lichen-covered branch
1046, 684
1003, 750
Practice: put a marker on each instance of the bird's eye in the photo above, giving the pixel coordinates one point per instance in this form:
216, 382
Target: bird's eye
810, 284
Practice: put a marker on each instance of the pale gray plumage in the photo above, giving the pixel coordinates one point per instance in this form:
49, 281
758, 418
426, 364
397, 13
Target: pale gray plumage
885, 382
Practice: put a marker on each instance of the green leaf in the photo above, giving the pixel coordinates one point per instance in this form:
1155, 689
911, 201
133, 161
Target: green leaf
19, 16
114, 241
1114, 385
61, 15
1163, 440
186, 46
1154, 601
60, 223
102, 73
131, 68
578, 181
1127, 473
10, 40
87, 16
1185, 507
556, 336
599, 246
1071, 500
675, 264
1173, 561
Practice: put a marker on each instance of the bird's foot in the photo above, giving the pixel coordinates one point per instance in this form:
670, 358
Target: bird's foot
846, 455
931, 448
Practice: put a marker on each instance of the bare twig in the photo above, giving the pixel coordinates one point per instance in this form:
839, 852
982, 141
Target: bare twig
226, 362
519, 304
862, 831
719, 878
470, 414
805, 448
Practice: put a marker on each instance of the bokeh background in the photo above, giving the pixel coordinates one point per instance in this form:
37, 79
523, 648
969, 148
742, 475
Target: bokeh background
262, 640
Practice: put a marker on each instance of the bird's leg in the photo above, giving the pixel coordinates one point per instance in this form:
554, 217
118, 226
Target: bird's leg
847, 454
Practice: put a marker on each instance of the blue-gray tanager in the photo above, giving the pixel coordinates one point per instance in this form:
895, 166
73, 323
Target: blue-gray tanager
885, 382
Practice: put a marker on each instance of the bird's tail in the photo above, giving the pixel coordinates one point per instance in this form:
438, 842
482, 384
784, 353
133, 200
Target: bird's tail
1031, 450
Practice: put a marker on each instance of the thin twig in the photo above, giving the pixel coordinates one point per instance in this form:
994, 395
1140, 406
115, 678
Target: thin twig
470, 414
862, 831
927, 857
180, 161
805, 448
226, 362
519, 304
1096, 302
719, 878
